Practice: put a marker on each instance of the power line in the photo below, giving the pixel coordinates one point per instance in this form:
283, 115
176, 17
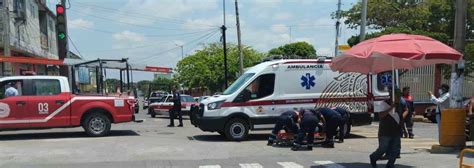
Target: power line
74, 45
122, 22
143, 16
148, 35
190, 42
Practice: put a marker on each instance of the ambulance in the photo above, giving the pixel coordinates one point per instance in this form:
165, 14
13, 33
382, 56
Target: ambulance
263, 92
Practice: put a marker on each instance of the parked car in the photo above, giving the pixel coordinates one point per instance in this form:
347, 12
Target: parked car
166, 103
155, 97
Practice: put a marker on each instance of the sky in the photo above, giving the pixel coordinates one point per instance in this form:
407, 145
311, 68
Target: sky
150, 32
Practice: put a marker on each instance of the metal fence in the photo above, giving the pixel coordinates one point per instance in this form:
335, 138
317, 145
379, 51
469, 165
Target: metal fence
421, 80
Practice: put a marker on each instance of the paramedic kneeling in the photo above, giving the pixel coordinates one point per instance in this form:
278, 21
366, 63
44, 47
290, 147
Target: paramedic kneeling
332, 120
287, 119
308, 123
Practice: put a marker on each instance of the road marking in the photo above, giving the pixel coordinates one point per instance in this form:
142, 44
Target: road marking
210, 166
290, 165
250, 165
328, 164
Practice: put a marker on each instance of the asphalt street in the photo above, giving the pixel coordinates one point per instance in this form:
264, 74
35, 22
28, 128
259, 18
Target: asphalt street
152, 144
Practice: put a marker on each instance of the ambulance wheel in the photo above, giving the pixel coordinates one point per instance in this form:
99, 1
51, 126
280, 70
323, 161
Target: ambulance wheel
236, 129
96, 124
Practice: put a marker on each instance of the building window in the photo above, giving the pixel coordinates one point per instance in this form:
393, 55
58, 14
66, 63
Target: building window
33, 10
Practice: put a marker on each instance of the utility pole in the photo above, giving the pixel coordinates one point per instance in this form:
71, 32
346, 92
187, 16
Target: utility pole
182, 49
239, 40
363, 22
290, 32
224, 45
457, 76
7, 66
338, 22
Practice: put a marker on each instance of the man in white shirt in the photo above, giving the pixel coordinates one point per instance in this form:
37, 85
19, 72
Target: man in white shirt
441, 102
11, 90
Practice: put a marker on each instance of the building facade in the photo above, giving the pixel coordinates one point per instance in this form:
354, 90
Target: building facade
31, 34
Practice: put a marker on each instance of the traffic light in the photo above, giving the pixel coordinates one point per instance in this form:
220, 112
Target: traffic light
61, 31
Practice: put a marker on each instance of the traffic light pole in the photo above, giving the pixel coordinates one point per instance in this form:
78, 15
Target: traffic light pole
64, 49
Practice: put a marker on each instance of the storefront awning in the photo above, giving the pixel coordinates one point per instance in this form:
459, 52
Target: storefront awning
31, 60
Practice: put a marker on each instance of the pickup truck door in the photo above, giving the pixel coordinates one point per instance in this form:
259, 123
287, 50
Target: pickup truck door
48, 106
13, 108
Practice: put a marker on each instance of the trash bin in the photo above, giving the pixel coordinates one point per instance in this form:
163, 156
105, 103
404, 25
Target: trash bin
453, 127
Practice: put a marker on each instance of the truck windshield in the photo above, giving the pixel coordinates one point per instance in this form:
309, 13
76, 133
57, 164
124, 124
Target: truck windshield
238, 83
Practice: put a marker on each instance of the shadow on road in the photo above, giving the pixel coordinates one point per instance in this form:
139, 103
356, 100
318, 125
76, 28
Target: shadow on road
220, 138
61, 135
361, 165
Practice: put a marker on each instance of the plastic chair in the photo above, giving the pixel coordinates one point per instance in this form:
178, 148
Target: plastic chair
461, 157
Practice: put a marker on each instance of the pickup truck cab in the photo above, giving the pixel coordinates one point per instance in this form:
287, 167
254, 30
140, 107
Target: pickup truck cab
47, 102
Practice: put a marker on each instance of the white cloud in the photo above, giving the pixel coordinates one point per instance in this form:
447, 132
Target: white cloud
168, 11
80, 23
324, 51
129, 36
282, 16
267, 3
279, 28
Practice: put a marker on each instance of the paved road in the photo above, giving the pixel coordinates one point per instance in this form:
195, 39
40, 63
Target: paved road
152, 144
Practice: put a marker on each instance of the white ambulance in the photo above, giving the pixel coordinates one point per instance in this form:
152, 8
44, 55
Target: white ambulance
264, 91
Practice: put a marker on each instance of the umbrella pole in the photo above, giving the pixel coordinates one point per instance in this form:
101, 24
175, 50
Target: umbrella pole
393, 82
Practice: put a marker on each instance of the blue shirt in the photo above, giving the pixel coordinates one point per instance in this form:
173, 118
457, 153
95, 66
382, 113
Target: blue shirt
11, 91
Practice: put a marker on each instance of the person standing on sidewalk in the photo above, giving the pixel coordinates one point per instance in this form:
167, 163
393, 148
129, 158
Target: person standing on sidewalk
441, 102
389, 134
408, 117
176, 110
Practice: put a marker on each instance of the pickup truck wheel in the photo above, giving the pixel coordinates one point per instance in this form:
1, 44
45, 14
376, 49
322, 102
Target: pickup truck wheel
236, 129
96, 124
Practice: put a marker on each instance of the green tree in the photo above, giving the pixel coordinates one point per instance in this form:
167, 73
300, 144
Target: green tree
205, 68
294, 50
162, 84
143, 86
111, 85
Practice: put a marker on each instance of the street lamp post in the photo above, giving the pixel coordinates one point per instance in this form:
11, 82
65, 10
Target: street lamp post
182, 49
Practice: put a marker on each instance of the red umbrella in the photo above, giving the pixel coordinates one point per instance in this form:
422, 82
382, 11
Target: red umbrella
394, 51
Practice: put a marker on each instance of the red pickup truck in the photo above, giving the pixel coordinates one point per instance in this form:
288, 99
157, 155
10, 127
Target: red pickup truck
35, 102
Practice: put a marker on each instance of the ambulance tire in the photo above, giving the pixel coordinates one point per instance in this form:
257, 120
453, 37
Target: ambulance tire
236, 129
96, 124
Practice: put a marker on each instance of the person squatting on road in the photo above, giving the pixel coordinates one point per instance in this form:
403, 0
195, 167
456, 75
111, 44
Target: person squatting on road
308, 123
286, 120
407, 125
345, 118
390, 130
331, 119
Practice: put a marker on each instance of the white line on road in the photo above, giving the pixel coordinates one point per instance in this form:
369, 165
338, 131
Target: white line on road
328, 164
290, 165
210, 166
250, 165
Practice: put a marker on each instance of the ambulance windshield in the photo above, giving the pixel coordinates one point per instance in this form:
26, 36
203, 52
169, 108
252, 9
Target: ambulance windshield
238, 83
